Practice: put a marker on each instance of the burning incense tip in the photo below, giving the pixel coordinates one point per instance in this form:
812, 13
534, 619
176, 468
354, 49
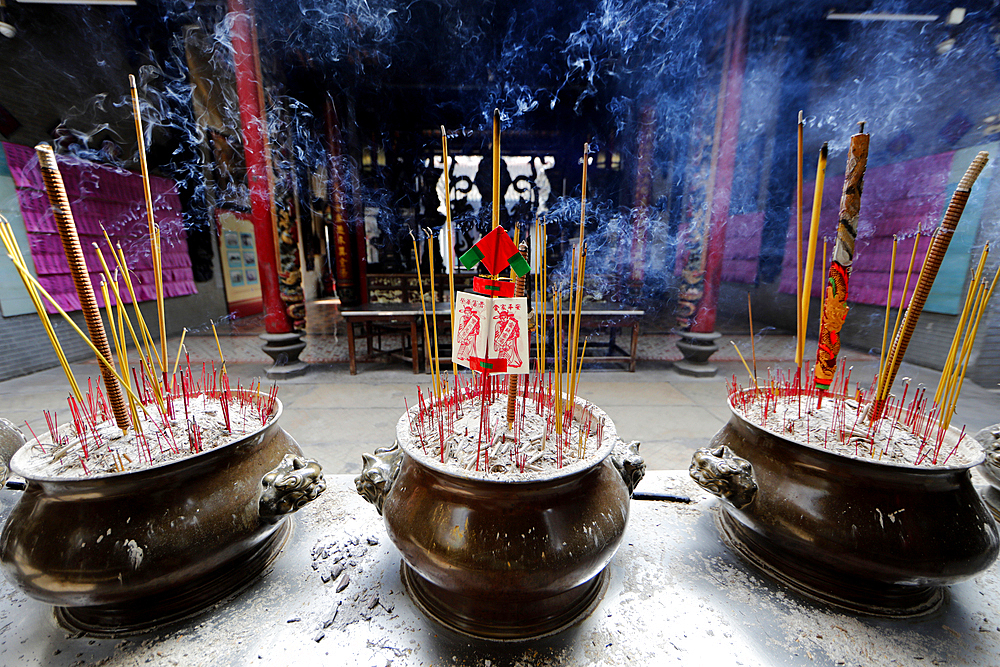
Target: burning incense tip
800, 117
861, 127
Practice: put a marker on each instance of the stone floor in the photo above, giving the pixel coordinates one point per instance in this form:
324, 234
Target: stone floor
336, 416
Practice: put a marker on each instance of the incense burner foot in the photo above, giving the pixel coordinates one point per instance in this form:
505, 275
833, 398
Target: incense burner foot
502, 559
122, 553
873, 538
696, 348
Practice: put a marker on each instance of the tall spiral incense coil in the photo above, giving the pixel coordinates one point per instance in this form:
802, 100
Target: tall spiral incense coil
56, 191
932, 262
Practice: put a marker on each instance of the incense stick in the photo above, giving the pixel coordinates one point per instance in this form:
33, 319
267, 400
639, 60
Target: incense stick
423, 304
811, 253
180, 347
496, 168
451, 239
834, 310
975, 330
519, 283
575, 313
888, 305
750, 374
953, 350
153, 230
26, 275
436, 369
928, 272
753, 347
799, 332
10, 243
59, 201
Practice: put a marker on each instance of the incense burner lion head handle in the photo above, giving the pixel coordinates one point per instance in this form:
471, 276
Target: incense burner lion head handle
720, 472
629, 464
989, 438
11, 440
378, 473
286, 489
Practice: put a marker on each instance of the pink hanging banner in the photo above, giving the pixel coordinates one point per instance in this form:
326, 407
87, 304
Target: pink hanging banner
101, 197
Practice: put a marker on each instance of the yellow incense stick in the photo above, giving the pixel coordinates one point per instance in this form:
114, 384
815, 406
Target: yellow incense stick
570, 324
557, 334
423, 305
26, 275
753, 346
496, 168
951, 394
822, 292
545, 284
888, 305
14, 251
975, 330
579, 370
799, 333
582, 272
153, 231
451, 240
811, 252
950, 359
144, 360
745, 364
218, 345
574, 323
114, 287
111, 324
179, 348
158, 257
883, 388
436, 368
119, 255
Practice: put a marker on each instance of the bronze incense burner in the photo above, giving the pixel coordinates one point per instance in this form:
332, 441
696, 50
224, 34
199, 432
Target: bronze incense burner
497, 559
124, 552
874, 538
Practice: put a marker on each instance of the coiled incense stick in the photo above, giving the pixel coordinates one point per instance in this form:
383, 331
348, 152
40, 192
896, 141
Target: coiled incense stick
81, 278
929, 271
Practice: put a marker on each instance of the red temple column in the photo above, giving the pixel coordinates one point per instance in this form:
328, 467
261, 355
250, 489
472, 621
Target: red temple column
282, 342
704, 320
244, 43
702, 273
643, 190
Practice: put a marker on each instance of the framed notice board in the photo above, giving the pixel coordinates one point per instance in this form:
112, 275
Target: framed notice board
240, 272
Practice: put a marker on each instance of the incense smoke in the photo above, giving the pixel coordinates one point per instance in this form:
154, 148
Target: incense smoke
591, 71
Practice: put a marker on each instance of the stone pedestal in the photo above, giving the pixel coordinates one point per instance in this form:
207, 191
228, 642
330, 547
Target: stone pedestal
285, 349
696, 348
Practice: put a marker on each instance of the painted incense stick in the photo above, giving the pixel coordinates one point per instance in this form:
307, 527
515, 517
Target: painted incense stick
928, 272
81, 278
811, 253
835, 302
